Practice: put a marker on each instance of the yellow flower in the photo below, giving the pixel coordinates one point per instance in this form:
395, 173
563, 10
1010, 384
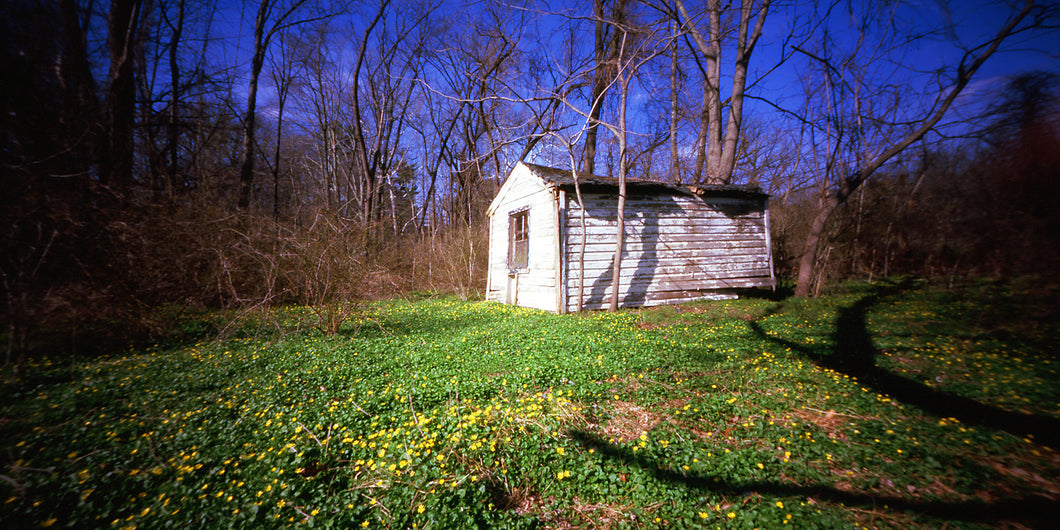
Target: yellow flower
780, 504
731, 515
560, 450
420, 508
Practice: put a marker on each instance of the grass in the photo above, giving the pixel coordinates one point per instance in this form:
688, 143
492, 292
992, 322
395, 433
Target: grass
889, 405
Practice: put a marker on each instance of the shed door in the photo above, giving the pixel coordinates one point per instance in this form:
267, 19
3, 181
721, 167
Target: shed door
518, 252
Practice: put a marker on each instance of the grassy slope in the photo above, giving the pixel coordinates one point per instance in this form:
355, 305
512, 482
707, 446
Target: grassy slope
892, 405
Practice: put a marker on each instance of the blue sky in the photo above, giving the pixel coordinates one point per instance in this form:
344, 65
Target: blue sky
971, 21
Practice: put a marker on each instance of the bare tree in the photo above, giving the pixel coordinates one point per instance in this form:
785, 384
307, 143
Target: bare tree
367, 164
607, 43
675, 159
384, 81
719, 137
284, 69
461, 122
318, 94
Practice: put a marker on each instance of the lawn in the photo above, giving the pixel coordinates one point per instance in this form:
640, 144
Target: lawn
884, 405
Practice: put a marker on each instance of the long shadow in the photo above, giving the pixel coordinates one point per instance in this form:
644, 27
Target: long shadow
646, 263
1037, 511
855, 355
599, 288
648, 257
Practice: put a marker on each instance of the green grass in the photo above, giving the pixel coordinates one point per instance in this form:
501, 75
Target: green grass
888, 405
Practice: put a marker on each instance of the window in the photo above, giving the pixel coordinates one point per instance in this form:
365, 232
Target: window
518, 240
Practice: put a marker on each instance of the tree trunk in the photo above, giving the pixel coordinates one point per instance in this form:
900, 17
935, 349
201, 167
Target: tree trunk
174, 90
246, 171
745, 45
808, 258
717, 145
596, 101
366, 170
282, 93
117, 155
623, 169
701, 138
80, 99
712, 101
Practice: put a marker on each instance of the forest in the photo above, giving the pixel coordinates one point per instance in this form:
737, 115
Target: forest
163, 156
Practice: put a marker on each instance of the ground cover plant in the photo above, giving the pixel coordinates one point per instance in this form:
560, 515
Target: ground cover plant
894, 404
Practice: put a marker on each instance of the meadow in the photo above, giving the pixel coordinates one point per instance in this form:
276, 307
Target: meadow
887, 405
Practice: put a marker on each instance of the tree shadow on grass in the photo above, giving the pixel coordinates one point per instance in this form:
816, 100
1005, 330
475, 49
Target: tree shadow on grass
854, 354
1037, 511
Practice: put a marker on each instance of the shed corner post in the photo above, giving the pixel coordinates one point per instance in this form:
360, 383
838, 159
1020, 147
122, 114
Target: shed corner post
489, 254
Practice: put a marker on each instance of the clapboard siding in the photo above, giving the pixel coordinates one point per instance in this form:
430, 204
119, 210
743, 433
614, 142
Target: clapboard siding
676, 248
602, 274
667, 258
674, 225
720, 240
672, 297
653, 251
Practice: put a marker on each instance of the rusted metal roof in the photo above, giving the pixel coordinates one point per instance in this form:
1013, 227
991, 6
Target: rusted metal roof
564, 179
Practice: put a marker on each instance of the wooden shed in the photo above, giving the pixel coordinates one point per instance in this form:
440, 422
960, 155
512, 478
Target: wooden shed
682, 243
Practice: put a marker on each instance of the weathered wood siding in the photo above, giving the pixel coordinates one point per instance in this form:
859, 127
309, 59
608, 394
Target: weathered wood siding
677, 248
536, 286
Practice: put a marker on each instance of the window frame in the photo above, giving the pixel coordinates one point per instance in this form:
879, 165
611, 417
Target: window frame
519, 261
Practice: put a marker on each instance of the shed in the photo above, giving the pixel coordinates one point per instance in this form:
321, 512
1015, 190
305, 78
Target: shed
682, 243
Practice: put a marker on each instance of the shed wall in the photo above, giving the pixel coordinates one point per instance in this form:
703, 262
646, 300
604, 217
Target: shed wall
677, 248
535, 286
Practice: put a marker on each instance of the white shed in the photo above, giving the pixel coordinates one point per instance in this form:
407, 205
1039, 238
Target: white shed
682, 243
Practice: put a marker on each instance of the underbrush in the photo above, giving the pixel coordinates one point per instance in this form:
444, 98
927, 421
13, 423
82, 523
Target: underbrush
888, 405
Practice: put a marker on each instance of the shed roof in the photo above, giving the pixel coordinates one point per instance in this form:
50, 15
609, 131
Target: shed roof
564, 179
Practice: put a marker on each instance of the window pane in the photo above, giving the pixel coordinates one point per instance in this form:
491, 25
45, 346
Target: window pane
518, 240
